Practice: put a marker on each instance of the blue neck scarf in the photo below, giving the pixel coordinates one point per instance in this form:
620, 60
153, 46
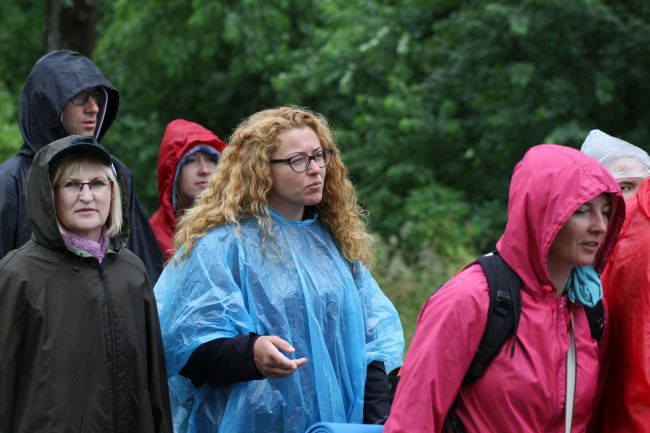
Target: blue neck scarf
584, 286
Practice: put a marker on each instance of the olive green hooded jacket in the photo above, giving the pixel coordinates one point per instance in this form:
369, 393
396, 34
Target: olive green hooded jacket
80, 346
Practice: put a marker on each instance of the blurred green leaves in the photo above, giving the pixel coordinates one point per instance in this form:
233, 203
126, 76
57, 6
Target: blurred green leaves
10, 139
432, 103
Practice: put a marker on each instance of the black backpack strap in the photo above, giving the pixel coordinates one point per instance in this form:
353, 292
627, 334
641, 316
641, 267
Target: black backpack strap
596, 318
503, 312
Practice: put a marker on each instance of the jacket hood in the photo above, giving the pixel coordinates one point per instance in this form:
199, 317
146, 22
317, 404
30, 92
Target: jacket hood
548, 185
55, 78
180, 136
621, 158
41, 211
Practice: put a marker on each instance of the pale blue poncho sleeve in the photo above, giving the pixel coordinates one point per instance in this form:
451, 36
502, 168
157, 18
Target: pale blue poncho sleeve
382, 322
298, 287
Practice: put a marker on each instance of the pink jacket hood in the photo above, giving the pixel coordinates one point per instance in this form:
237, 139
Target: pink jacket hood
547, 186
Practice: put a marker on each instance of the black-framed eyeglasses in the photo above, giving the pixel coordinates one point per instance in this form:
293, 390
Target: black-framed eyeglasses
300, 163
73, 188
82, 97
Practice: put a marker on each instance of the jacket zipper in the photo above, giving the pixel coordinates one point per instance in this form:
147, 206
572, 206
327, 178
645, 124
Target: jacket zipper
561, 326
111, 321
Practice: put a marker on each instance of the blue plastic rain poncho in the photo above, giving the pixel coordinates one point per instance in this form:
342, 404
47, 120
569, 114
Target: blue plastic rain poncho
296, 286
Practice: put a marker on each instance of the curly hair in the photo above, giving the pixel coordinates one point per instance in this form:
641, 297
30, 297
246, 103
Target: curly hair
240, 186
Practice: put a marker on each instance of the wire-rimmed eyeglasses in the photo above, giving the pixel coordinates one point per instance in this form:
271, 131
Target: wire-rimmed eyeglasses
300, 163
82, 97
73, 188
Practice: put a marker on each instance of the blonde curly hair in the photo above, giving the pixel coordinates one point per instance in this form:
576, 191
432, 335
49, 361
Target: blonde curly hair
240, 186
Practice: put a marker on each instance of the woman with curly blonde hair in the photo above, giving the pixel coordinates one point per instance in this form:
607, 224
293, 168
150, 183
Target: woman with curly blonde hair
271, 321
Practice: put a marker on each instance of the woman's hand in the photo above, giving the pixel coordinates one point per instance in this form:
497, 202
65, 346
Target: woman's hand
270, 361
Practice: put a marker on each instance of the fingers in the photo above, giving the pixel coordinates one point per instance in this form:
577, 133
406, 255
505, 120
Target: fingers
281, 344
300, 362
279, 361
270, 361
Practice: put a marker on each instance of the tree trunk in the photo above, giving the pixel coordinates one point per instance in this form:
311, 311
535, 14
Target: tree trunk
71, 24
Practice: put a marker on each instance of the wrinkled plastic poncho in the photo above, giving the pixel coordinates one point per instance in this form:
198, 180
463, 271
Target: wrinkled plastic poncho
621, 158
296, 286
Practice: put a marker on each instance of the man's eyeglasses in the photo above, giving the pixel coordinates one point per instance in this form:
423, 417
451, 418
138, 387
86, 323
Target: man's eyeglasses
82, 97
73, 188
300, 163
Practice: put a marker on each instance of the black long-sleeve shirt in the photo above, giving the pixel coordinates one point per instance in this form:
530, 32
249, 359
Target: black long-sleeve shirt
230, 360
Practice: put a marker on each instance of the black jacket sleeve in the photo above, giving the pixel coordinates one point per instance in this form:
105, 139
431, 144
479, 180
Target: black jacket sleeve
376, 402
8, 215
142, 240
229, 360
14, 226
158, 390
16, 321
223, 361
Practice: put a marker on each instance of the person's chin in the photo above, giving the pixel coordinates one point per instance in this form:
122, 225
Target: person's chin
586, 260
312, 201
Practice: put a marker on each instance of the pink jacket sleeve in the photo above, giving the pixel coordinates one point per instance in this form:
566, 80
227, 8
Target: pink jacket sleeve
448, 331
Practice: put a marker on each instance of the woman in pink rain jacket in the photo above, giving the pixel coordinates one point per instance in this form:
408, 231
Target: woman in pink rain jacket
564, 214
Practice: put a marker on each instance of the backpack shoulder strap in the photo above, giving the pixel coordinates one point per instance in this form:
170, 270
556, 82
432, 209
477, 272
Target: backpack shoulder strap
596, 318
503, 312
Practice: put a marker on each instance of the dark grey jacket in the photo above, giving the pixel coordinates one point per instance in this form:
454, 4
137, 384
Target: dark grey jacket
54, 79
80, 345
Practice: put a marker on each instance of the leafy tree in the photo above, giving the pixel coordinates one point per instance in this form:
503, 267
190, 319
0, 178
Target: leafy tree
455, 92
10, 138
430, 101
20, 44
209, 62
72, 24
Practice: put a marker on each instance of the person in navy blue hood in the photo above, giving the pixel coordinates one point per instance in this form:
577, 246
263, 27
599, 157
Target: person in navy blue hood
66, 94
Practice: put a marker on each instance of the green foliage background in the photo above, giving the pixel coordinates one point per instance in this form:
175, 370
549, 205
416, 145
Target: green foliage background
432, 102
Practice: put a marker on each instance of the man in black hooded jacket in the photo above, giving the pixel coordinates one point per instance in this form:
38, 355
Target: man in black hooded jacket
66, 94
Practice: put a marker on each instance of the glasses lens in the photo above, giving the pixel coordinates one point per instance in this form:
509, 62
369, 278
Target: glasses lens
318, 158
71, 187
98, 96
327, 154
98, 185
80, 98
299, 163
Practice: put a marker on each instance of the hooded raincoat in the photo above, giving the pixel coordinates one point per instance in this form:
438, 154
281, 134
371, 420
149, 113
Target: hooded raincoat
296, 286
180, 136
627, 290
80, 345
524, 393
54, 79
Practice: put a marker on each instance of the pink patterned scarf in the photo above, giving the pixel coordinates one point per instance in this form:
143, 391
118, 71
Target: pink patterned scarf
96, 249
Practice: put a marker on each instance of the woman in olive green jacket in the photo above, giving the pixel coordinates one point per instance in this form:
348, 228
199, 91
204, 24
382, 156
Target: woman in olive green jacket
80, 346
